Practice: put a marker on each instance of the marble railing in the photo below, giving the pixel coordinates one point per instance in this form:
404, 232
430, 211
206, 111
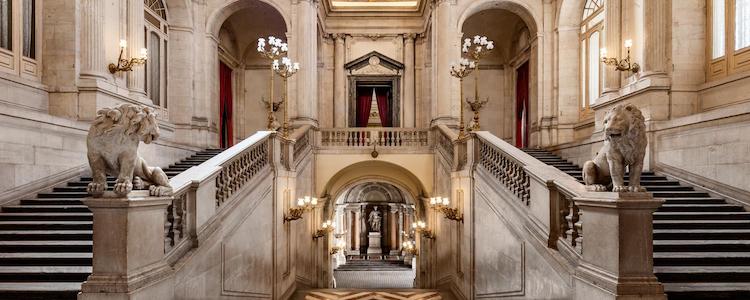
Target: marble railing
219, 177
367, 137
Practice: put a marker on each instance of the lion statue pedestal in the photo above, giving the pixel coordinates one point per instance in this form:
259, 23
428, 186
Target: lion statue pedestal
624, 146
112, 144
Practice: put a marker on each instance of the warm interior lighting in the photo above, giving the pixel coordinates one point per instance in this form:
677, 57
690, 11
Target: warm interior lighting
628, 43
420, 227
442, 204
124, 64
620, 64
303, 204
327, 227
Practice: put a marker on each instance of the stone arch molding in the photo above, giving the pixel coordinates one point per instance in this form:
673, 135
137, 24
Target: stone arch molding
179, 13
223, 9
518, 7
569, 14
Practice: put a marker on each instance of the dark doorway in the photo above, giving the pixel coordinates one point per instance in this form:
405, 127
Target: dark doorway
522, 106
225, 106
374, 104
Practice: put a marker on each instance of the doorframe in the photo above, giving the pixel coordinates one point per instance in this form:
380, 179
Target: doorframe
395, 97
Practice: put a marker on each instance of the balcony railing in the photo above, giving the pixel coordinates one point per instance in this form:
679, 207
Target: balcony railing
366, 137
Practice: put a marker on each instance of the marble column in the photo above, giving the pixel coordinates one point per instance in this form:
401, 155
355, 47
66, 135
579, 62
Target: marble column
445, 91
136, 41
357, 229
656, 37
93, 62
306, 45
613, 43
409, 84
400, 239
339, 82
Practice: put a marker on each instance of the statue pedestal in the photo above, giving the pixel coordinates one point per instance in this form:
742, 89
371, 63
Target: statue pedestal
373, 246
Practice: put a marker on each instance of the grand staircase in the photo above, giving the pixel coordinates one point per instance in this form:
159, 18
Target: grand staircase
701, 242
46, 241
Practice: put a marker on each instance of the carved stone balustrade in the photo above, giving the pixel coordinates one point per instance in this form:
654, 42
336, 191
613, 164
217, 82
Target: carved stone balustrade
378, 138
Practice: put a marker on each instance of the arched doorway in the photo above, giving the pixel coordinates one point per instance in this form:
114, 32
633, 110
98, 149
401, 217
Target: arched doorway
244, 76
506, 78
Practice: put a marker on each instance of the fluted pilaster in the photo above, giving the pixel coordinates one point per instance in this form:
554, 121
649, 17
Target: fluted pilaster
136, 25
409, 85
613, 42
656, 18
339, 82
93, 62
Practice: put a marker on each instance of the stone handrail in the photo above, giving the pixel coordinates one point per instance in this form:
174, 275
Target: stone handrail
364, 137
218, 177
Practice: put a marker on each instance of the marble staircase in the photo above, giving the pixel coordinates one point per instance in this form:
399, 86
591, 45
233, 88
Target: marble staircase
701, 242
46, 241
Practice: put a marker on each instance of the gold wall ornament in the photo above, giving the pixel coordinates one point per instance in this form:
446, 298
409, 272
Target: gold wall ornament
285, 68
273, 50
475, 107
442, 205
621, 64
327, 227
303, 204
476, 49
410, 248
272, 108
420, 227
124, 64
460, 71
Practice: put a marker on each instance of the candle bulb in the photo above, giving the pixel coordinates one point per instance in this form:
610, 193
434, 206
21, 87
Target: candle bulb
314, 201
628, 43
144, 53
123, 43
300, 202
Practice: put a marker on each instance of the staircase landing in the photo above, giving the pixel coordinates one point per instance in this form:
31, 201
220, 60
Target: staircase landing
361, 294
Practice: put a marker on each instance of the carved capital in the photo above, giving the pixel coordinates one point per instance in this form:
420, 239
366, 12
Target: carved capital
409, 37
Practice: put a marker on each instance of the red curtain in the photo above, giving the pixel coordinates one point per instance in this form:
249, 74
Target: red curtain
225, 105
364, 100
522, 106
383, 107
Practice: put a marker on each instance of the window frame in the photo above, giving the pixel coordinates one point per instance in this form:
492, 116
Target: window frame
585, 31
13, 61
734, 60
161, 30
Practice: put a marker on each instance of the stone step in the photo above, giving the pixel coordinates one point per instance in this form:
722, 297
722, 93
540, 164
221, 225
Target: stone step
679, 194
671, 188
741, 215
46, 216
703, 273
88, 178
701, 234
46, 235
708, 290
702, 258
40, 290
79, 183
45, 208
52, 201
695, 200
46, 225
701, 224
46, 246
701, 245
44, 273
63, 195
699, 207
71, 189
46, 259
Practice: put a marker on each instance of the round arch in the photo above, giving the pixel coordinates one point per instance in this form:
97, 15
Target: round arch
517, 7
569, 13
179, 13
226, 9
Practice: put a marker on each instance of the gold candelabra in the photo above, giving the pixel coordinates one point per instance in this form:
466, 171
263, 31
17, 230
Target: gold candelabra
273, 50
124, 64
420, 227
285, 69
327, 227
460, 71
410, 248
443, 205
303, 205
621, 64
340, 246
477, 48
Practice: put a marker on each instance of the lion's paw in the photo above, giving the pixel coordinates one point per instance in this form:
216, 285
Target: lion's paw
620, 189
596, 188
123, 188
159, 191
138, 183
636, 189
96, 189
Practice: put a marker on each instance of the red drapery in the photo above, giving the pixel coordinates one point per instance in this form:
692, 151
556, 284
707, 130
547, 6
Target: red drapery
381, 96
364, 100
522, 106
225, 105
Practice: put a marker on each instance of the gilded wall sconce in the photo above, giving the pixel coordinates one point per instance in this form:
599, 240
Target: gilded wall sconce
303, 204
124, 64
409, 248
340, 246
620, 64
421, 228
326, 228
443, 205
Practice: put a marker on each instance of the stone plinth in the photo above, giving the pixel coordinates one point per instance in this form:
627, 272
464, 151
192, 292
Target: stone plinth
373, 246
128, 247
617, 247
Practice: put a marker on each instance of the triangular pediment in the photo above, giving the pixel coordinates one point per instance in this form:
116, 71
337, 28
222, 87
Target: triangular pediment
374, 63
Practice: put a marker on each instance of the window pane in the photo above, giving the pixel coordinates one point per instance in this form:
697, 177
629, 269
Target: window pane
6, 24
742, 24
593, 67
153, 64
717, 29
583, 74
29, 29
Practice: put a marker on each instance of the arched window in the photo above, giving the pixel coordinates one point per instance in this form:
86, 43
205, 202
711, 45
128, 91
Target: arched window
19, 53
592, 37
729, 37
156, 42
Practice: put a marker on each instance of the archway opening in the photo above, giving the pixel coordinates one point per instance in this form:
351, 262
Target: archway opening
504, 76
244, 75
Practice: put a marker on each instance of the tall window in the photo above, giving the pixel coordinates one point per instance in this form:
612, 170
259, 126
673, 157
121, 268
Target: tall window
156, 43
729, 29
592, 31
19, 37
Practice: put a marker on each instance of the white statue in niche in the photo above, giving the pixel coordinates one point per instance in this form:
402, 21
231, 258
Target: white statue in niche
374, 220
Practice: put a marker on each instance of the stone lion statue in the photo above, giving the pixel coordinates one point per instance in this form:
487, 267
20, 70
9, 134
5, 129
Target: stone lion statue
112, 143
624, 145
